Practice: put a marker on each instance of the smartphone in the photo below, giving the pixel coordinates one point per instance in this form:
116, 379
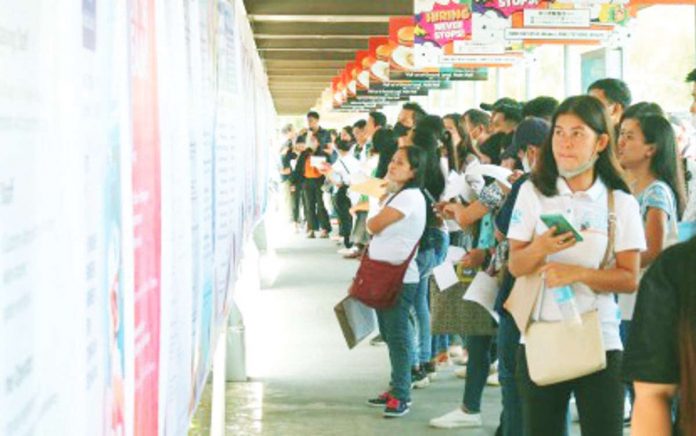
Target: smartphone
562, 225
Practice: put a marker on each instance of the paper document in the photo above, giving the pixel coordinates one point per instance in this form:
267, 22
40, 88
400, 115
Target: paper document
484, 290
456, 186
372, 187
497, 172
445, 277
455, 254
317, 161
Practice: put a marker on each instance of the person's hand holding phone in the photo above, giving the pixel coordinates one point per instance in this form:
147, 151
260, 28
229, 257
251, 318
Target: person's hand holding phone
549, 243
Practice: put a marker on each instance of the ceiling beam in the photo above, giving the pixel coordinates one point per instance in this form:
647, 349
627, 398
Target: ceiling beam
308, 55
307, 63
329, 7
312, 44
319, 29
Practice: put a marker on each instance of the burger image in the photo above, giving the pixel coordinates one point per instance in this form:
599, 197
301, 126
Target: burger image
384, 52
405, 35
402, 58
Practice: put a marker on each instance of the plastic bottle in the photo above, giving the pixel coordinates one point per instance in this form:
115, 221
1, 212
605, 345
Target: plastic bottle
565, 298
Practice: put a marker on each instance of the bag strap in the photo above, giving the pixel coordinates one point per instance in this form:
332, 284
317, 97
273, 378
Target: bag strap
611, 233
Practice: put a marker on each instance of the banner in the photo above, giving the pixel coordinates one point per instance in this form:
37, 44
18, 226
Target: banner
146, 214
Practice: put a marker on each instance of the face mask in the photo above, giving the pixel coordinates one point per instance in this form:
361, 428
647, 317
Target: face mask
569, 174
526, 166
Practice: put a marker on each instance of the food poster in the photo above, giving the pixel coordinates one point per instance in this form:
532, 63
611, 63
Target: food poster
402, 62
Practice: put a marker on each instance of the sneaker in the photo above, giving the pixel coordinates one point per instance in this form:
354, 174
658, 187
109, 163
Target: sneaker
419, 379
337, 238
344, 251
396, 408
311, 235
460, 372
628, 409
355, 253
324, 234
460, 360
457, 418
382, 400
493, 380
443, 359
456, 351
377, 341
429, 368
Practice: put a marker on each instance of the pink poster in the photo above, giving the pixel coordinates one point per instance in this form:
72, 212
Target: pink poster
146, 214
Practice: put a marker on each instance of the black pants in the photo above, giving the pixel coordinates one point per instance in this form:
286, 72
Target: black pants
599, 397
294, 198
342, 206
316, 214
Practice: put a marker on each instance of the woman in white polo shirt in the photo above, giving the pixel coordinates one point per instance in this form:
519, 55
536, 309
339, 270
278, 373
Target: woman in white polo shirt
397, 230
573, 174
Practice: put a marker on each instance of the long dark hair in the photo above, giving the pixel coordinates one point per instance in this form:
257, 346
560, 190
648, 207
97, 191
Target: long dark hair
455, 152
665, 163
418, 160
592, 112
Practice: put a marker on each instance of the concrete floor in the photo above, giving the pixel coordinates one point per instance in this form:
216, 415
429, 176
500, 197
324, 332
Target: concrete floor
303, 378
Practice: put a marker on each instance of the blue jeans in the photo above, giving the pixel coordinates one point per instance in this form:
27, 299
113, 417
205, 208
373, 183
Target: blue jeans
479, 348
426, 262
508, 342
398, 334
432, 253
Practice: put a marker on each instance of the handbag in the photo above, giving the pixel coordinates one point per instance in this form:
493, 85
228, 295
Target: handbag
377, 284
559, 351
356, 320
451, 314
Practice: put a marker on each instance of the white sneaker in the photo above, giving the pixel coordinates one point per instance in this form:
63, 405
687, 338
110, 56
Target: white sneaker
460, 372
460, 360
455, 351
493, 380
457, 418
494, 367
344, 251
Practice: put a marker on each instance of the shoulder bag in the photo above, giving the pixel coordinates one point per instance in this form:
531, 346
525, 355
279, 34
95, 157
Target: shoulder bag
377, 284
560, 351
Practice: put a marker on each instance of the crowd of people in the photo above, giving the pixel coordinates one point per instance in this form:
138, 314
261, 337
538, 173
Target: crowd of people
621, 173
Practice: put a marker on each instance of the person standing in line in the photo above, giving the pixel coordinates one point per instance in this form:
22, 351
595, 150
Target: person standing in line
576, 172
312, 182
648, 152
397, 229
342, 169
660, 355
288, 159
614, 95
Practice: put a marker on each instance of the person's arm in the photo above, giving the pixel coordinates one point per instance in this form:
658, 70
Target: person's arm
622, 279
527, 257
386, 217
464, 215
655, 229
652, 410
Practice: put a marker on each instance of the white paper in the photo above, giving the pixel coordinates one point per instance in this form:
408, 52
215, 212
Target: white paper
457, 185
484, 291
497, 172
445, 277
317, 161
455, 254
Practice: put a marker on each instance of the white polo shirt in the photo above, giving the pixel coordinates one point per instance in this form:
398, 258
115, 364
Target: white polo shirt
588, 212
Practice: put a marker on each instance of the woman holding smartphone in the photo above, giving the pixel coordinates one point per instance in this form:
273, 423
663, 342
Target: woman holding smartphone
575, 172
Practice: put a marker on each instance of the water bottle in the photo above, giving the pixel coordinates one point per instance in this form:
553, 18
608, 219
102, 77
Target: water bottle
565, 298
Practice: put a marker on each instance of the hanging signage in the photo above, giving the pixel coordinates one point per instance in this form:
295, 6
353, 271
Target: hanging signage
557, 18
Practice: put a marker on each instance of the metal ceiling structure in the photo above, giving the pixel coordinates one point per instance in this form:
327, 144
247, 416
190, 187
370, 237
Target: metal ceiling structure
305, 43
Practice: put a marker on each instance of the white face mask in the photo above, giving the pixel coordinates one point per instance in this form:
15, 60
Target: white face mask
569, 174
526, 166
